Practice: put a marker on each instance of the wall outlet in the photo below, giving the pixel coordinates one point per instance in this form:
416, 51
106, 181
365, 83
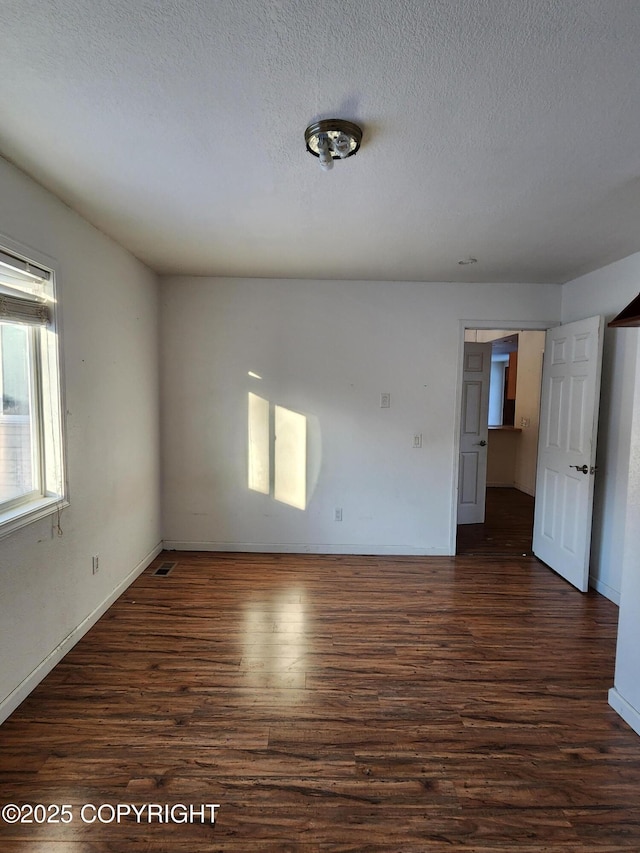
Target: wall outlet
95, 564
337, 514
417, 439
385, 400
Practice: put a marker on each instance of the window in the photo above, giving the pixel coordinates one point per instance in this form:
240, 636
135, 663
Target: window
31, 463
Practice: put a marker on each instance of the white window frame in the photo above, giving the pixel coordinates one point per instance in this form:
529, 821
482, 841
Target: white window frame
51, 495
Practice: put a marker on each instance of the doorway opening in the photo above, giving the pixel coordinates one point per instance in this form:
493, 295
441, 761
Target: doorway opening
505, 523
507, 529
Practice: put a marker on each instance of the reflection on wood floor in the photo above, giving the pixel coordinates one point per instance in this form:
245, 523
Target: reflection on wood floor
330, 703
508, 526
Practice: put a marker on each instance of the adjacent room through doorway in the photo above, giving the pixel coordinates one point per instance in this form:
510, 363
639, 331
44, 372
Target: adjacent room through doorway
507, 528
511, 425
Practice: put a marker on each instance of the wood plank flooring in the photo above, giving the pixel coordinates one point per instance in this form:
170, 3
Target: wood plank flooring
420, 705
507, 529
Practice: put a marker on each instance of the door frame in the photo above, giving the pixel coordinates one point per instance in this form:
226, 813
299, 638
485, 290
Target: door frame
463, 325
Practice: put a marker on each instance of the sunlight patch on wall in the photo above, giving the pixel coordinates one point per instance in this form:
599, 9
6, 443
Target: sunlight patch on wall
290, 460
277, 452
258, 444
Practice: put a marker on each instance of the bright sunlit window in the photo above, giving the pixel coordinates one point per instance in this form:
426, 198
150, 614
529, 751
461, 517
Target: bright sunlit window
31, 464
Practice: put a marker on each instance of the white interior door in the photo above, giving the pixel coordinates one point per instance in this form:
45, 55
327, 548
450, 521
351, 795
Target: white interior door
474, 418
567, 448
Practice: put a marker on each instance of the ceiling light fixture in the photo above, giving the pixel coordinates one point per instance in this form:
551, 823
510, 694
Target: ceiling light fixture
332, 139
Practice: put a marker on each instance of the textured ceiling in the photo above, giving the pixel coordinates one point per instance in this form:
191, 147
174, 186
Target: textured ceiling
506, 130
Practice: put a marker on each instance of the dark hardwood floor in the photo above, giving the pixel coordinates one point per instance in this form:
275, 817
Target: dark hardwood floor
507, 529
420, 705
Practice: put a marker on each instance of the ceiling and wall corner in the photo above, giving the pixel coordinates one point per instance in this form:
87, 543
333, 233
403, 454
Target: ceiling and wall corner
499, 130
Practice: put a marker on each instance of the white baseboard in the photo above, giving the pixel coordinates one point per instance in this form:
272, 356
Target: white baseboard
289, 548
526, 490
628, 713
17, 696
604, 589
517, 486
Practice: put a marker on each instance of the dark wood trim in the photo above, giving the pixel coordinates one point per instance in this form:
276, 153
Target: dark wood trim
629, 316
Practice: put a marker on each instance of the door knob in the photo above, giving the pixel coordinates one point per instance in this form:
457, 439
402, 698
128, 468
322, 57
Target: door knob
481, 443
583, 468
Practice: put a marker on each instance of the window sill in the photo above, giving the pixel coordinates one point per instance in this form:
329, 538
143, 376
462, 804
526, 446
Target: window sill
18, 517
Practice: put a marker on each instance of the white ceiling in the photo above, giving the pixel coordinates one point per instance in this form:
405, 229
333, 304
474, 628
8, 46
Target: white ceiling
506, 130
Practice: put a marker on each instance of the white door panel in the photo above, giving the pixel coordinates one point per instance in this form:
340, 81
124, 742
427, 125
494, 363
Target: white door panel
567, 448
474, 417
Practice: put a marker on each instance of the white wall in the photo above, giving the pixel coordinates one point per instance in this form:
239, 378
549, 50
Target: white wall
502, 452
327, 349
607, 291
625, 696
110, 367
528, 387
